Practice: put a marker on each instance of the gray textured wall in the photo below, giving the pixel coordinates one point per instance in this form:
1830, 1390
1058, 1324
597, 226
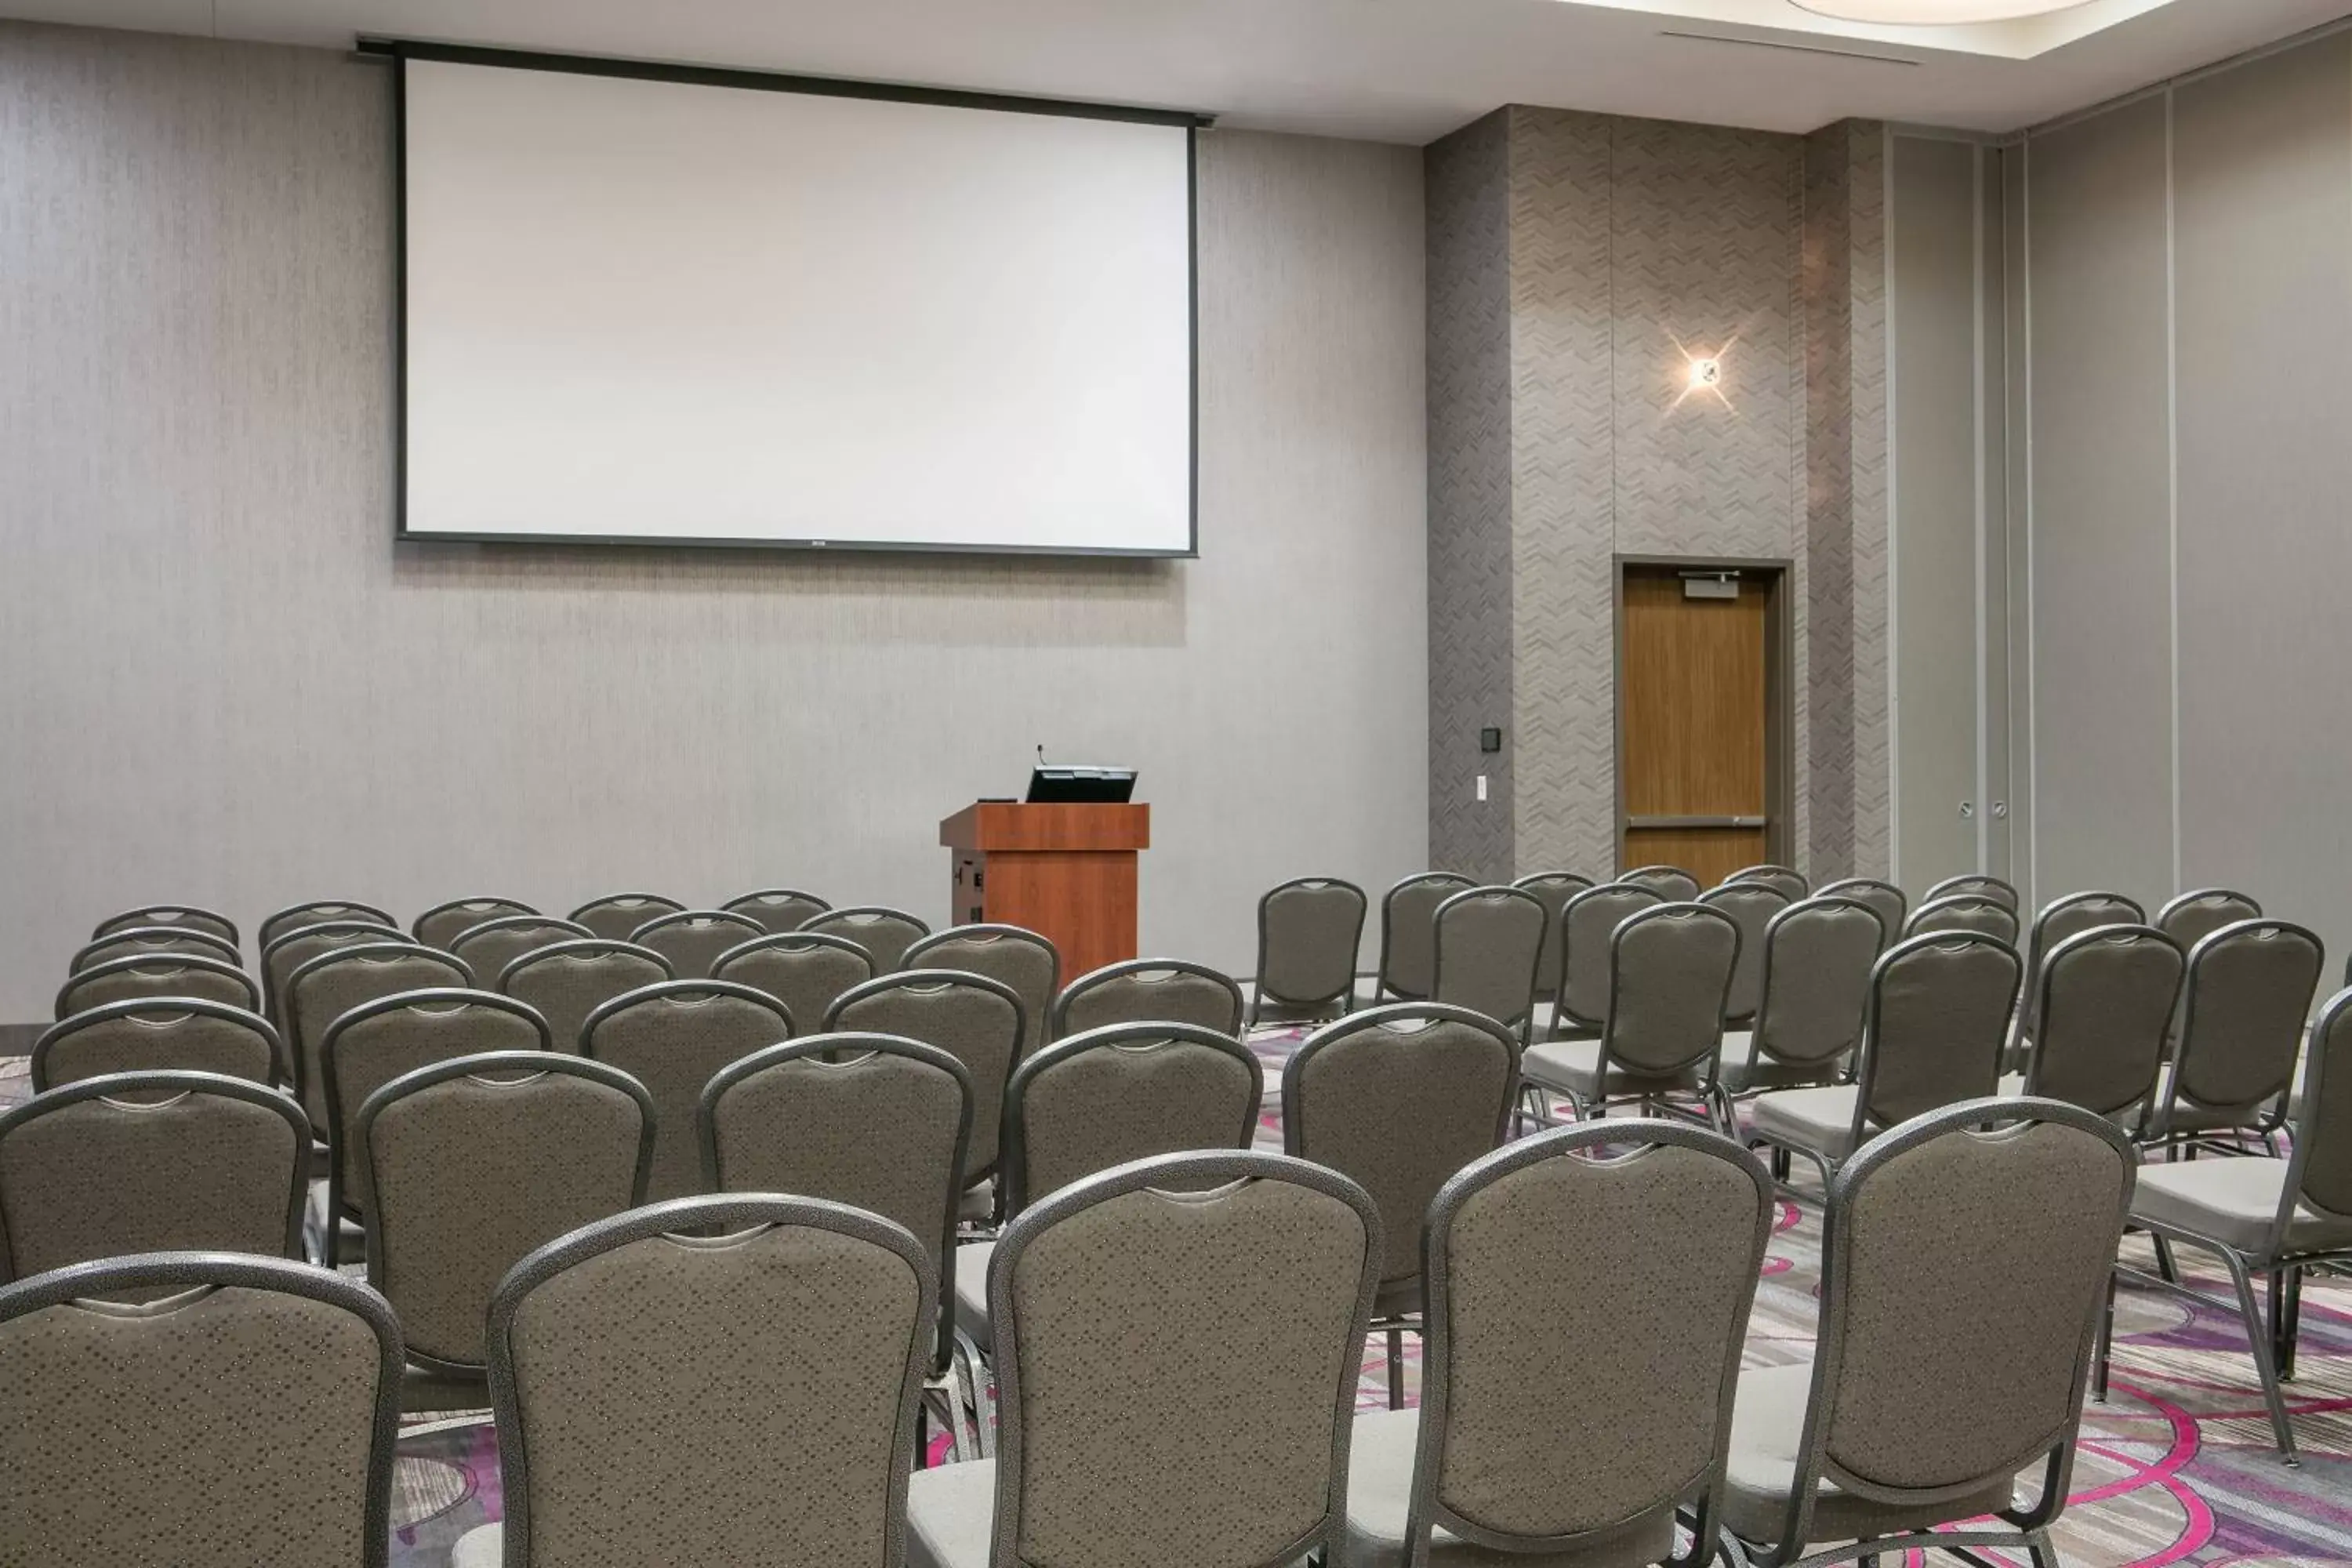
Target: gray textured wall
225, 684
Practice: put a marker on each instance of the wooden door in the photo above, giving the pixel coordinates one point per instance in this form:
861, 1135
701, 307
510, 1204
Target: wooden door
1695, 689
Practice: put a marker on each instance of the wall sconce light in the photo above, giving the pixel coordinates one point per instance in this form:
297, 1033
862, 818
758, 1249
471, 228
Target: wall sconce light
1706, 374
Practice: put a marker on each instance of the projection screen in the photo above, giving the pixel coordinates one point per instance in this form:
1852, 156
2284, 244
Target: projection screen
687, 307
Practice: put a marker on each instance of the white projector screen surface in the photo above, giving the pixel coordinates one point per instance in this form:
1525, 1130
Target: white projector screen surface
668, 312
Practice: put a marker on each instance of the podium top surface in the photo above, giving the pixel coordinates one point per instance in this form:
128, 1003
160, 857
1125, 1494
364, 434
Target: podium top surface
1014, 827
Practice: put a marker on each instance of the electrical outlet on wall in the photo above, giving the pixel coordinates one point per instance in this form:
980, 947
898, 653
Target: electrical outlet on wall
1482, 787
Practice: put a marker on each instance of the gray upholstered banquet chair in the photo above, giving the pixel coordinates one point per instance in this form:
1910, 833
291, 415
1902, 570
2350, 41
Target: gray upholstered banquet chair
150, 942
1031, 964
807, 971
1581, 988
1409, 933
1751, 906
1151, 990
1671, 883
778, 909
569, 980
1813, 992
885, 934
168, 974
1936, 1022
1489, 944
1552, 889
2193, 916
1966, 912
319, 911
151, 1162
158, 1034
1670, 969
616, 915
186, 917
2267, 1216
2242, 1009
1399, 1097
1309, 931
246, 1415
2062, 918
490, 945
673, 1038
444, 923
774, 1425
474, 1163
694, 940
1211, 1426
2104, 1000
1577, 1388
974, 1019
1790, 883
291, 949
1884, 900
1974, 885
1934, 1384
330, 984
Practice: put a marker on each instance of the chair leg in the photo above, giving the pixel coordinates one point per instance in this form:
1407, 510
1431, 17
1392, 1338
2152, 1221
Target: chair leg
2038, 1547
983, 1398
2259, 1341
2166, 1270
2287, 1312
1396, 1366
1780, 1163
2105, 1346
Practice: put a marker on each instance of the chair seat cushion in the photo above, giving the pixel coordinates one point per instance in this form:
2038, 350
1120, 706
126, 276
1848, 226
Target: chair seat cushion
1379, 1493
1767, 1429
1821, 1120
1741, 1068
1574, 1067
952, 1515
977, 1204
2234, 1201
971, 1291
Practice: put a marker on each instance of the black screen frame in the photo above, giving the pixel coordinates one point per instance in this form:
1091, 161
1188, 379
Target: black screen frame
399, 51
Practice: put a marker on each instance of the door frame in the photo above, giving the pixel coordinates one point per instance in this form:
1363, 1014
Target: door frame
1779, 689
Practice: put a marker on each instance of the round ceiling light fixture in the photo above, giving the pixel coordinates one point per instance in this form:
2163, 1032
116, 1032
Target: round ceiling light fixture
1933, 13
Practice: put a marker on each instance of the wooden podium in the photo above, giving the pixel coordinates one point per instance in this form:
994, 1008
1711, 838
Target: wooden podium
1067, 872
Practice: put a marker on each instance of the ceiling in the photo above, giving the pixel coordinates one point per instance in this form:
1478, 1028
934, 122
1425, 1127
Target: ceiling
1396, 71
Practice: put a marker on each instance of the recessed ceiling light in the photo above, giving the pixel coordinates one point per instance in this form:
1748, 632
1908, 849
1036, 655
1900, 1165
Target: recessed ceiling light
1933, 13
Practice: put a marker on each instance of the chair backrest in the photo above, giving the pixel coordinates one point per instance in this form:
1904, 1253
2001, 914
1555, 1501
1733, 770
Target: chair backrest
1790, 883
1672, 883
1818, 956
2248, 993
1310, 931
1399, 1097
1751, 906
1590, 920
476, 1163
616, 915
1964, 912
2070, 916
1670, 971
1489, 941
2320, 1179
1939, 1021
158, 1034
378, 1041
885, 934
1933, 1381
1577, 1376
974, 1019
569, 980
806, 970
673, 1038
778, 909
186, 917
444, 924
1242, 1312
1022, 959
776, 1422
1974, 885
694, 940
1885, 899
1122, 1092
2104, 1005
151, 1162
296, 946
1409, 932
2193, 916
1552, 889
319, 911
488, 947
259, 1395
150, 942
168, 974
325, 986
1150, 990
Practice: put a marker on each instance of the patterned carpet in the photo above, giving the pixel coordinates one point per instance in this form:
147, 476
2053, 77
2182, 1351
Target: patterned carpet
2176, 1467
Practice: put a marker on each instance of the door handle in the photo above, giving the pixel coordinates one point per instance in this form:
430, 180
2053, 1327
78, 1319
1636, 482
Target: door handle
1656, 822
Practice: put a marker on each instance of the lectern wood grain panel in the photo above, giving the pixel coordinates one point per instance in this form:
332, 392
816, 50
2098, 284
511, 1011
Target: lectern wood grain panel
1067, 872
